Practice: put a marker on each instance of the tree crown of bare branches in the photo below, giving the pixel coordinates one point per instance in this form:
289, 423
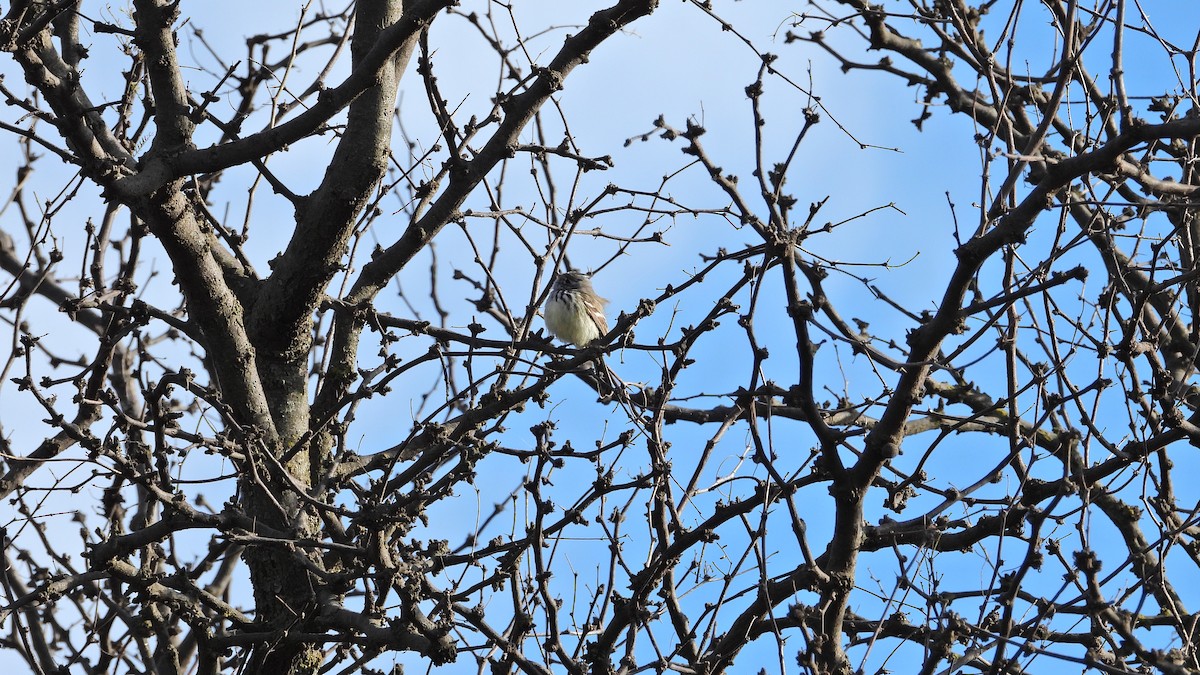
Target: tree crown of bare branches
299, 377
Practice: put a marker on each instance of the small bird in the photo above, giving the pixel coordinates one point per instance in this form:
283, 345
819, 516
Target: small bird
574, 313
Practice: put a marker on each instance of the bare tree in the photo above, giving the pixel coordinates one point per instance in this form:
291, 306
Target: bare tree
308, 420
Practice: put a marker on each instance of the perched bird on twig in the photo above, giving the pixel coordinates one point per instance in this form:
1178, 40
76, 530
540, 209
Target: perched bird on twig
574, 313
